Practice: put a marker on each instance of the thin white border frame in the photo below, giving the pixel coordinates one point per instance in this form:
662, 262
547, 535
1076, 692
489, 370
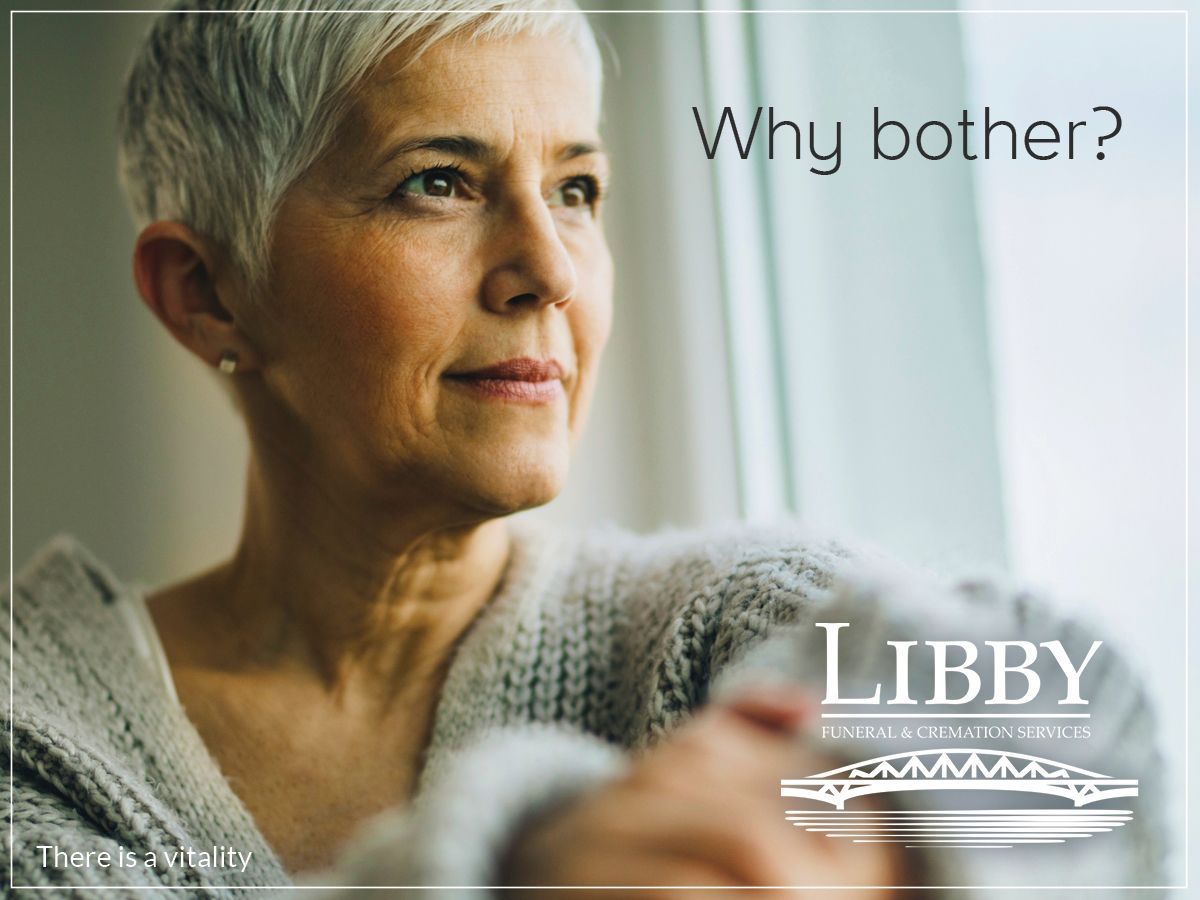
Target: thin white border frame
1187, 730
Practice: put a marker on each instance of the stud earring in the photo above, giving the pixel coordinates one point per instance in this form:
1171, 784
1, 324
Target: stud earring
228, 362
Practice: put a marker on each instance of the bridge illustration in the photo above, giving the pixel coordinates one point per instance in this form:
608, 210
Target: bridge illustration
959, 769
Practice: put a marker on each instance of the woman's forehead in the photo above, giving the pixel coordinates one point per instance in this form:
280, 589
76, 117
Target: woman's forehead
488, 88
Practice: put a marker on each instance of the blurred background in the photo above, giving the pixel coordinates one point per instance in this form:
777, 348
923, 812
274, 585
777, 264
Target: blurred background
979, 365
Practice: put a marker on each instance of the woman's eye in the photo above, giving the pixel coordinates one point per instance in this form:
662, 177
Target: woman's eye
578, 192
430, 183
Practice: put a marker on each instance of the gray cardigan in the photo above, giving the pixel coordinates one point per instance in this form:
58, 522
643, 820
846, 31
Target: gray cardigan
596, 643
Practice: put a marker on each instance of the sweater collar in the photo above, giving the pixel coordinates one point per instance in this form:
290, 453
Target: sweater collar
497, 648
82, 685
86, 685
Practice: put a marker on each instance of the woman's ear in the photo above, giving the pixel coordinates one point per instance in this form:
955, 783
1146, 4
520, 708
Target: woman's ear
174, 271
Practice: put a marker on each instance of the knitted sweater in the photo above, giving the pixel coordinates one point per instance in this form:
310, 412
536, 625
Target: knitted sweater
596, 643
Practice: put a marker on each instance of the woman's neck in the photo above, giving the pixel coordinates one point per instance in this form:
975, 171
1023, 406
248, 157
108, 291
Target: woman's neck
366, 611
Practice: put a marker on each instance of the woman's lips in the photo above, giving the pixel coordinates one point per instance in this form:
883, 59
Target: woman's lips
524, 379
508, 389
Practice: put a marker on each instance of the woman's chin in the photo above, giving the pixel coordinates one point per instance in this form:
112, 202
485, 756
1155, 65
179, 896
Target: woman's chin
522, 484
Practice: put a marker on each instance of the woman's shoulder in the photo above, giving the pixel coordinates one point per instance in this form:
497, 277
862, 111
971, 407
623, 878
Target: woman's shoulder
62, 603
665, 611
62, 571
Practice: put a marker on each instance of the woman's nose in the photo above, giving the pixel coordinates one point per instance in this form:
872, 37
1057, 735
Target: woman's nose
533, 268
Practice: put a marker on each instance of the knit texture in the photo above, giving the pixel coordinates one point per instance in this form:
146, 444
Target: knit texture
596, 643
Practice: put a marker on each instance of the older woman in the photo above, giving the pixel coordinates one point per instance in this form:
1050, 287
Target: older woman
384, 231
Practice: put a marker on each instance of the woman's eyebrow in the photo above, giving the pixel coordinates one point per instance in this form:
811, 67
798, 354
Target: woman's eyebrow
454, 144
468, 147
581, 148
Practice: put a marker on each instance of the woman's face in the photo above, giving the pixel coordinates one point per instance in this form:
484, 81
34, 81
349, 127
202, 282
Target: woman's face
453, 225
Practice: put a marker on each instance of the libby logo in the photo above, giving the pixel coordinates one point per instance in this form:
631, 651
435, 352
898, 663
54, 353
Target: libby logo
1002, 668
1067, 792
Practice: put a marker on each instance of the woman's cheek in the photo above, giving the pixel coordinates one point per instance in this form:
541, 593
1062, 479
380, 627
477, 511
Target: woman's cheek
597, 309
591, 330
395, 295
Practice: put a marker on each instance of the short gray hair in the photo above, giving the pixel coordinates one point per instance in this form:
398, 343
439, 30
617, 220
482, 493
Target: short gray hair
229, 102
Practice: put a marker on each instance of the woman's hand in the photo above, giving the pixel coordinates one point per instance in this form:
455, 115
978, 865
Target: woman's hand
703, 808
